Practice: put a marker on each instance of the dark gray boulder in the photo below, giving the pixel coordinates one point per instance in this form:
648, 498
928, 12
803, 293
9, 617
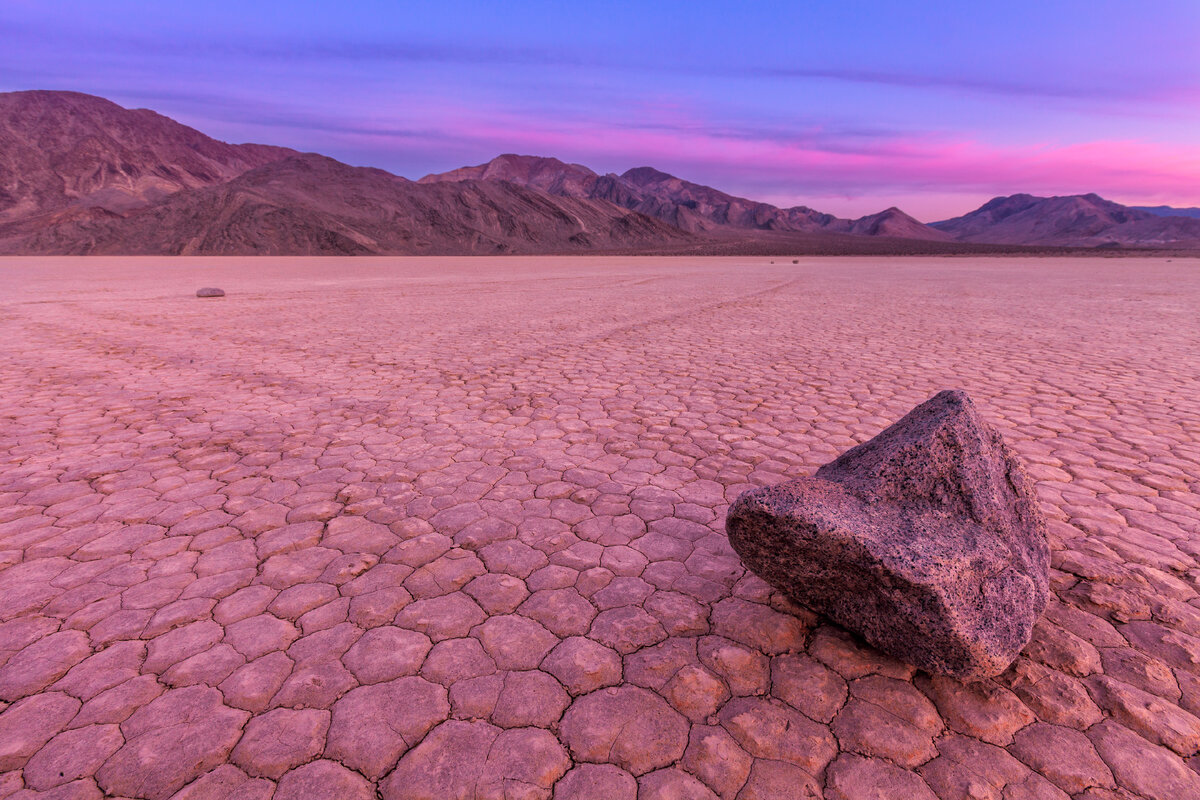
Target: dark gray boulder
926, 540
210, 292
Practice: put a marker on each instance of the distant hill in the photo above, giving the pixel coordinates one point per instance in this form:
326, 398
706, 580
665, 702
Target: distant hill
545, 174
1168, 211
1086, 220
690, 206
80, 174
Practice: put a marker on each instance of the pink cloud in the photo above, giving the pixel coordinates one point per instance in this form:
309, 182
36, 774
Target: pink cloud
867, 174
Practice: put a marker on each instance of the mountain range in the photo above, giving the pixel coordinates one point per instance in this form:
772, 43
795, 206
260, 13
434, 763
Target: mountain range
82, 175
688, 206
1086, 220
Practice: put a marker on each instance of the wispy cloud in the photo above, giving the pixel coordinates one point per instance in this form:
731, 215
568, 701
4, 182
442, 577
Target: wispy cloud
800, 168
1047, 86
854, 117
311, 53
764, 160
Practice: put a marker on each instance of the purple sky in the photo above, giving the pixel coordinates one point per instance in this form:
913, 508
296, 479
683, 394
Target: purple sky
848, 107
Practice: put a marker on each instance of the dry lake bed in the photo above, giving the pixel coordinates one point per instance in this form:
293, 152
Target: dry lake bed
454, 528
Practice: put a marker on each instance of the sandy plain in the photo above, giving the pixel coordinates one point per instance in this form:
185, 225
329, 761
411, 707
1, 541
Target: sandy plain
453, 528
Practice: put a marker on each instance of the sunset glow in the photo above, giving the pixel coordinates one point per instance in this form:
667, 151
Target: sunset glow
848, 108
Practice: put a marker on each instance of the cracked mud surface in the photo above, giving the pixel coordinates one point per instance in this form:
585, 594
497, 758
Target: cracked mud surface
422, 528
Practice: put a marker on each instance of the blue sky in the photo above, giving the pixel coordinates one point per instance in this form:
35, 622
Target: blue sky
847, 107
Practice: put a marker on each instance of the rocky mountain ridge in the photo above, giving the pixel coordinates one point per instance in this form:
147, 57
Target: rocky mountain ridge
1086, 220
689, 206
80, 174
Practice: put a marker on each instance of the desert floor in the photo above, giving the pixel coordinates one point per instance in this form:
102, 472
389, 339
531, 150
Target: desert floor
453, 528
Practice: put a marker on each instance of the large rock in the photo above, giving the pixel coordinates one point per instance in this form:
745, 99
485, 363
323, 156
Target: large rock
926, 540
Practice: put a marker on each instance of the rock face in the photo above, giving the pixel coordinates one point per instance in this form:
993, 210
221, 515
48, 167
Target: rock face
66, 155
210, 292
926, 540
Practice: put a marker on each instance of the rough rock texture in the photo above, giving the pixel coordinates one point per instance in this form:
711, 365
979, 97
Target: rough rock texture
210, 291
927, 540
